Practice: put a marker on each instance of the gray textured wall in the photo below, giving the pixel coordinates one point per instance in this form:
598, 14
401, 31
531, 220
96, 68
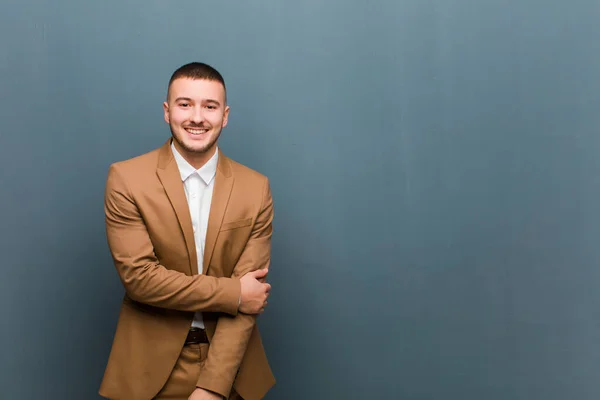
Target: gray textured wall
434, 165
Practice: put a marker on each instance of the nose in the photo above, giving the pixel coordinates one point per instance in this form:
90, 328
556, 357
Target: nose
197, 115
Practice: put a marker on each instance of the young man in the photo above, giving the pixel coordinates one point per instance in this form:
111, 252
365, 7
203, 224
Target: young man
190, 234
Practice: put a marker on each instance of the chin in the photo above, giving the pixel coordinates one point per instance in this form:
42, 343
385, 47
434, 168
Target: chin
199, 147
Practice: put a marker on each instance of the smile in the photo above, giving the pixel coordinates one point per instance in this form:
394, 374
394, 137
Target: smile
196, 131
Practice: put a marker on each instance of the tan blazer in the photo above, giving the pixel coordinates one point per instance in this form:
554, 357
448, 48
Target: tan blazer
150, 236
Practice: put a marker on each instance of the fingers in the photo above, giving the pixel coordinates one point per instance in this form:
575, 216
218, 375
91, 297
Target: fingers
262, 309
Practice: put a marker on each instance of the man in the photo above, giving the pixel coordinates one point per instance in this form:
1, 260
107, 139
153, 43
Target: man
190, 234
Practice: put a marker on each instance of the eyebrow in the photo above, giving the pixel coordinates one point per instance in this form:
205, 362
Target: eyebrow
190, 100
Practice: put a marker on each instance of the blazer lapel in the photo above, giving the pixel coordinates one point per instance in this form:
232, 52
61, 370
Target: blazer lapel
169, 176
220, 198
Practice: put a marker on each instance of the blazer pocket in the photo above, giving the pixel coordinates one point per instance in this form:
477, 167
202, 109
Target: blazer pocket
236, 224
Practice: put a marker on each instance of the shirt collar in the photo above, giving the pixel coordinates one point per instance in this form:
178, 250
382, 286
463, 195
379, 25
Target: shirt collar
207, 172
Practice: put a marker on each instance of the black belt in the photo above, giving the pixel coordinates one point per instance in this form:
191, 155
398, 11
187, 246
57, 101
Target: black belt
196, 335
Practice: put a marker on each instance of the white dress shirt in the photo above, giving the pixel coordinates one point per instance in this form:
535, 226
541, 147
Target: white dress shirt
198, 186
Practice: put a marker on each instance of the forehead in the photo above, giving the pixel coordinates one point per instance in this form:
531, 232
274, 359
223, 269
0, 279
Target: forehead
197, 89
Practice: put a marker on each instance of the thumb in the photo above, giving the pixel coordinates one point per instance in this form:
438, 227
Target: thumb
260, 273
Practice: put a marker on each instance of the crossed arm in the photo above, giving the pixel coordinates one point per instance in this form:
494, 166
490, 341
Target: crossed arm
144, 278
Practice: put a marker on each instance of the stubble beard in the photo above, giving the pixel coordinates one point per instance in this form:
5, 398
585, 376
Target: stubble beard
201, 150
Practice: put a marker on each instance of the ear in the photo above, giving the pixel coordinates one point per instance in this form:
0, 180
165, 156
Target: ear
166, 110
225, 117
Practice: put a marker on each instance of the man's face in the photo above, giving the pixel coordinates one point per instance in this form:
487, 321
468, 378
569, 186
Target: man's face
196, 112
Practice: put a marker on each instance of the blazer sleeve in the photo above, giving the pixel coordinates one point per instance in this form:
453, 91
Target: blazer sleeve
144, 278
228, 345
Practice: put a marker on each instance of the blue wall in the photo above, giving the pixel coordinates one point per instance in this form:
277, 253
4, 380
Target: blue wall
434, 166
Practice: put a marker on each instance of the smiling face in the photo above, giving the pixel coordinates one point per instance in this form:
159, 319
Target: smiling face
196, 112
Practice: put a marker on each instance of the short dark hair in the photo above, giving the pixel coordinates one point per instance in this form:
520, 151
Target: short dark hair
198, 70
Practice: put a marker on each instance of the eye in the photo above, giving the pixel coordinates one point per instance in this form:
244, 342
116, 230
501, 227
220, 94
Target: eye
184, 104
211, 107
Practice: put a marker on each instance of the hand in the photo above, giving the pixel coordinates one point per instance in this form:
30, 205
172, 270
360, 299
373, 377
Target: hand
254, 292
203, 394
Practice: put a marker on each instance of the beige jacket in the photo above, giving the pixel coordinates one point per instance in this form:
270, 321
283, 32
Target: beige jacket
150, 236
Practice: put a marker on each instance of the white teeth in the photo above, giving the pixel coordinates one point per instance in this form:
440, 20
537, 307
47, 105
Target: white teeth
196, 131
